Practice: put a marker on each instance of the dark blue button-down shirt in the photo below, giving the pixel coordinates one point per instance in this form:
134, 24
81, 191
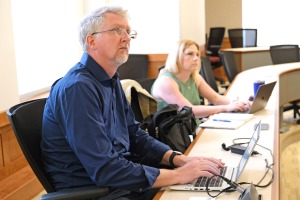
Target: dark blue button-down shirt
88, 125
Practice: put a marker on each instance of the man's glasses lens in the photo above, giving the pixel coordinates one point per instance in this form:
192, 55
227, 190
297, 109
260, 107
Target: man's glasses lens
133, 34
120, 32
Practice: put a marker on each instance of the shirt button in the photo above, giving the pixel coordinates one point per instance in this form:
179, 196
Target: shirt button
116, 142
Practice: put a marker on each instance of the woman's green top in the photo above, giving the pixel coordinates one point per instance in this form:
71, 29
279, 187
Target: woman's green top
188, 89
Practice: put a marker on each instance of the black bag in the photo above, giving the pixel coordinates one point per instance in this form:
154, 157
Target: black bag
172, 127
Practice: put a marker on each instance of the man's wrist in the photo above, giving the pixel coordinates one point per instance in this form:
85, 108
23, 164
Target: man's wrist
172, 156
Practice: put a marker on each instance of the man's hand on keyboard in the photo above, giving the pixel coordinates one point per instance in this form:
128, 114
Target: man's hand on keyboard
195, 167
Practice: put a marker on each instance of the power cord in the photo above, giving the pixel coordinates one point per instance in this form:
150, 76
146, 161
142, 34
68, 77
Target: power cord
236, 186
268, 166
232, 188
241, 143
238, 149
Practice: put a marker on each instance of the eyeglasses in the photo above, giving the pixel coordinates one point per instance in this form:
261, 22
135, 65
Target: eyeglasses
121, 32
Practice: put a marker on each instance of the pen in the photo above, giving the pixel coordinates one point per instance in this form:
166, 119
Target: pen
221, 120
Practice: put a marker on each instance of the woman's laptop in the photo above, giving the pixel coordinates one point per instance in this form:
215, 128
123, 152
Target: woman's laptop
262, 97
231, 173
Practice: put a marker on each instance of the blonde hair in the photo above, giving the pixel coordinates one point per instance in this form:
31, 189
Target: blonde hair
174, 60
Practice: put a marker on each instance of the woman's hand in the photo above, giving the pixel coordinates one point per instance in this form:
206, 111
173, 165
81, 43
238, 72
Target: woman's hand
238, 106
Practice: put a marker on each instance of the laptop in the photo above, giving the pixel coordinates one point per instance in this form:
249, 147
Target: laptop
231, 173
262, 97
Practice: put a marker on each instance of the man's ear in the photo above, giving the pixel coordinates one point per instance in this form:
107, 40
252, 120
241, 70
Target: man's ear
90, 40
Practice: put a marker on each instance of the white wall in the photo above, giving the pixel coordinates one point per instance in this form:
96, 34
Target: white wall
162, 23
219, 13
192, 20
277, 21
8, 79
159, 25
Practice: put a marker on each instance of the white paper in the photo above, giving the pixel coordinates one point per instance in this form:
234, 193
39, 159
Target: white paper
201, 198
232, 116
226, 120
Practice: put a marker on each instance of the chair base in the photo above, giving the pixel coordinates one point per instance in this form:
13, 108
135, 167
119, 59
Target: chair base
295, 107
216, 65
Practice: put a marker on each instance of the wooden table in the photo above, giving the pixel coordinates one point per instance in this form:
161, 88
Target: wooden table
251, 57
208, 141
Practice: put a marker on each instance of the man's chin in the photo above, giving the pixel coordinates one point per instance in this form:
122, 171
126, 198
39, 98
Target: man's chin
122, 59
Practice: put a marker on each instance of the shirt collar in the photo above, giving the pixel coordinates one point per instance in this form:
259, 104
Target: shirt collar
95, 69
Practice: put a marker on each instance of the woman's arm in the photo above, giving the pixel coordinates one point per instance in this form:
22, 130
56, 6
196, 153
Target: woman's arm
165, 88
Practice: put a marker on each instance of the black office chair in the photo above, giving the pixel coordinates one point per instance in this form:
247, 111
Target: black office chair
160, 68
228, 60
207, 73
135, 68
284, 53
287, 53
242, 37
214, 44
26, 121
146, 83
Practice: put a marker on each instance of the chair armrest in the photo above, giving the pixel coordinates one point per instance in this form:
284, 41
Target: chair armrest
76, 193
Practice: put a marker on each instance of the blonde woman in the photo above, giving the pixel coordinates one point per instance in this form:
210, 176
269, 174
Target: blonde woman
179, 82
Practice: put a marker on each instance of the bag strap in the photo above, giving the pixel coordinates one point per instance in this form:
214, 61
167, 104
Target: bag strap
186, 116
169, 110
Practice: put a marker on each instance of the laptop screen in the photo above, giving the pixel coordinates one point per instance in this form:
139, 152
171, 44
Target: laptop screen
251, 145
262, 97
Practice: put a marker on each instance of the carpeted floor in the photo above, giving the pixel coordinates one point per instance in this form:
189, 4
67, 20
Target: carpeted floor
290, 163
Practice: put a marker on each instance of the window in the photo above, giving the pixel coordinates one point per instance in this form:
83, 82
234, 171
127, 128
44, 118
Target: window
46, 35
46, 41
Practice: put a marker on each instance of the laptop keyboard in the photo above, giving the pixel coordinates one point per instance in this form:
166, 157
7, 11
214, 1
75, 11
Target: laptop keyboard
215, 182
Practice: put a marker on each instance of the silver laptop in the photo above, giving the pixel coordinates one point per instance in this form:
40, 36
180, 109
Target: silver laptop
231, 173
262, 97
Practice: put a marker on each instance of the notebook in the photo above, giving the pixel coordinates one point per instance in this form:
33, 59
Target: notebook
232, 173
262, 97
226, 120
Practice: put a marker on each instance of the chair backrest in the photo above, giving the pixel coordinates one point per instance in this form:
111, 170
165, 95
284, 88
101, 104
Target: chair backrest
230, 68
240, 37
284, 53
26, 120
207, 73
135, 68
160, 68
146, 83
214, 43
